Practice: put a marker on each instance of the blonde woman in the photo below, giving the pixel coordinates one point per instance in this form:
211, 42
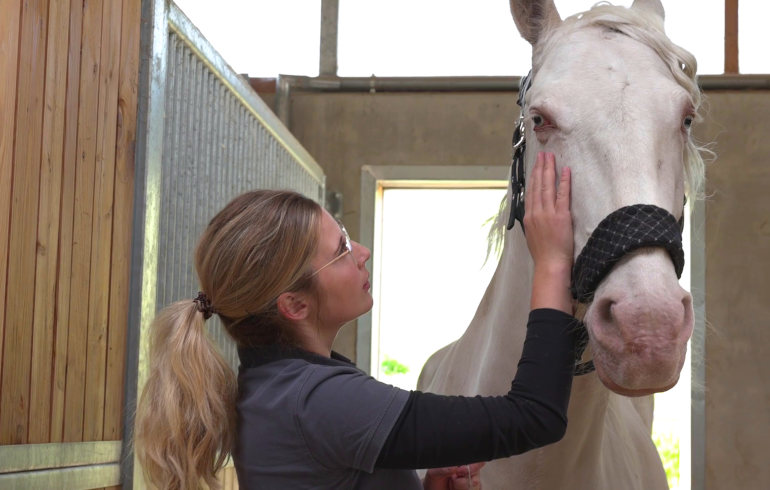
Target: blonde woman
284, 277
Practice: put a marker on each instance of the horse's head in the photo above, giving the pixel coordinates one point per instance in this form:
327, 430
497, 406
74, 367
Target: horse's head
614, 99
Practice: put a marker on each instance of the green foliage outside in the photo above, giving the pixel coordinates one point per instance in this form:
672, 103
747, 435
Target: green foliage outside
668, 448
392, 366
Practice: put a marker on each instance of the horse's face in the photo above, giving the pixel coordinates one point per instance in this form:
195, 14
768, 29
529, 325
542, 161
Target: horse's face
608, 106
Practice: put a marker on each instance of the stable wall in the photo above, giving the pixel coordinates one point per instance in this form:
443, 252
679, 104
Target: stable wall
345, 131
68, 98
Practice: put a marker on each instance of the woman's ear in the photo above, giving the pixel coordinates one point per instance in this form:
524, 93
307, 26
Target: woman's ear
293, 306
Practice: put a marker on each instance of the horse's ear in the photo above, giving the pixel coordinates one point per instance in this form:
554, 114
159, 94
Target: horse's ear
650, 5
534, 17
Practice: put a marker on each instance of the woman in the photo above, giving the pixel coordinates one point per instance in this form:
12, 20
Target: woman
284, 277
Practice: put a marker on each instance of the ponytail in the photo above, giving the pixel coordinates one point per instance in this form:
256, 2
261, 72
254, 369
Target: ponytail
186, 415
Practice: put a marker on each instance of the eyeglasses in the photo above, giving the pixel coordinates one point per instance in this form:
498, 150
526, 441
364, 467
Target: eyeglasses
348, 250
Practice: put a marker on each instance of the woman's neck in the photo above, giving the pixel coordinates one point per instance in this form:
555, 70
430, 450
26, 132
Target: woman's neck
316, 339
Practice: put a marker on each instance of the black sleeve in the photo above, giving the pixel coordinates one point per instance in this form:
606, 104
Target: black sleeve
435, 431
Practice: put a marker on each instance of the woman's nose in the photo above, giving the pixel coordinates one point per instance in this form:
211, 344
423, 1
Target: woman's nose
361, 253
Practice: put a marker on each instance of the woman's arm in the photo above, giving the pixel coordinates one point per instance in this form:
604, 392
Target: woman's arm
434, 430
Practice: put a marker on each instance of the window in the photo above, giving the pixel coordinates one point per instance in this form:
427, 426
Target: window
455, 37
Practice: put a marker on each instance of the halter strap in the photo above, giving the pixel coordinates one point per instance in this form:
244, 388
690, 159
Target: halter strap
621, 232
519, 146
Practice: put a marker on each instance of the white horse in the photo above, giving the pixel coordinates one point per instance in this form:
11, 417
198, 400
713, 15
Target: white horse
614, 99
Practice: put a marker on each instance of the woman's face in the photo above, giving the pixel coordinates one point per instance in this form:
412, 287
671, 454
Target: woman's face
344, 283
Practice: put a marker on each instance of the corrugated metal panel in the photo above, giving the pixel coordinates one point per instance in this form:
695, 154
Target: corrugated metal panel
220, 140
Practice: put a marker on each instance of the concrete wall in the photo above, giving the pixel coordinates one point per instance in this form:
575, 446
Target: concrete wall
737, 282
344, 131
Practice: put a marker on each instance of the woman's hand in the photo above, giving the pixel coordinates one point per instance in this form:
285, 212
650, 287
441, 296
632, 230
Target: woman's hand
548, 228
464, 477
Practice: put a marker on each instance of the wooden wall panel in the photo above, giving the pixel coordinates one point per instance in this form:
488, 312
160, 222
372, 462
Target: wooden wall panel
9, 57
128, 88
66, 237
20, 281
69, 74
74, 400
101, 225
43, 328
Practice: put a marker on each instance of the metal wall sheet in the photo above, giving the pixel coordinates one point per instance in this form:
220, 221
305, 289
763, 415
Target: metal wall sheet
220, 140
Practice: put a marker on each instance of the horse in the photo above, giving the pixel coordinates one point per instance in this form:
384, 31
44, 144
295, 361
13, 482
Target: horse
613, 98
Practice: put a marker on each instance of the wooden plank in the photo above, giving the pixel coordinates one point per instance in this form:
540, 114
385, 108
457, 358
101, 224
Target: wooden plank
92, 476
9, 57
101, 228
66, 221
15, 389
28, 457
83, 211
43, 326
128, 89
731, 37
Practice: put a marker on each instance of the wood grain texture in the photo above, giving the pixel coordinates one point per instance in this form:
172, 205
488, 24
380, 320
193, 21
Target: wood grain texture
10, 13
66, 237
82, 222
20, 286
44, 320
128, 88
101, 225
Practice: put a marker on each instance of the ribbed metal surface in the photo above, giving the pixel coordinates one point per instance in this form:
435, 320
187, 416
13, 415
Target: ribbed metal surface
216, 146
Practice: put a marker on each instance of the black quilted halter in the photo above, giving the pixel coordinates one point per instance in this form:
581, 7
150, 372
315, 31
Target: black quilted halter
621, 232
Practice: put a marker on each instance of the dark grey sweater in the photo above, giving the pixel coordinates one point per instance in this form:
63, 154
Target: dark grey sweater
307, 421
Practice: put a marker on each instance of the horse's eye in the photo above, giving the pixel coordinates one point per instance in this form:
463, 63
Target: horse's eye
538, 120
688, 120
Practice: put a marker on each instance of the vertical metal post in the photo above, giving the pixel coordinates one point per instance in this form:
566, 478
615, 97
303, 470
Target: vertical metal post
731, 37
328, 55
283, 101
144, 247
698, 346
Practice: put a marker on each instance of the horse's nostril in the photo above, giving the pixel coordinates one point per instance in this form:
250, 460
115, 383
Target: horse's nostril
604, 311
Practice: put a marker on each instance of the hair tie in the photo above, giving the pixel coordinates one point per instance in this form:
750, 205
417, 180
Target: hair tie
204, 305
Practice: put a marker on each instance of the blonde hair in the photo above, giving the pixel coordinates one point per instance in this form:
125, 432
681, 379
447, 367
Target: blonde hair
257, 247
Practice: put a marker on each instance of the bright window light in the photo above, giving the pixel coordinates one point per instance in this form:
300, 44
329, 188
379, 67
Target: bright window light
436, 37
753, 36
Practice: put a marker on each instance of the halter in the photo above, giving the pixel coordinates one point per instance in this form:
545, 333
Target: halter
517, 161
621, 232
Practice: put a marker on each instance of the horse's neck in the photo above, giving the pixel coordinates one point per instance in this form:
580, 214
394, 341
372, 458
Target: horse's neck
605, 432
493, 342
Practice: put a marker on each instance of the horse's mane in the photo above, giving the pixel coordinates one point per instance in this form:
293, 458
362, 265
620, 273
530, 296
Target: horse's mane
647, 28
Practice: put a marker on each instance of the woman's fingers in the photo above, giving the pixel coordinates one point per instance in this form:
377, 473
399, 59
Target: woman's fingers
563, 193
548, 182
532, 196
467, 477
